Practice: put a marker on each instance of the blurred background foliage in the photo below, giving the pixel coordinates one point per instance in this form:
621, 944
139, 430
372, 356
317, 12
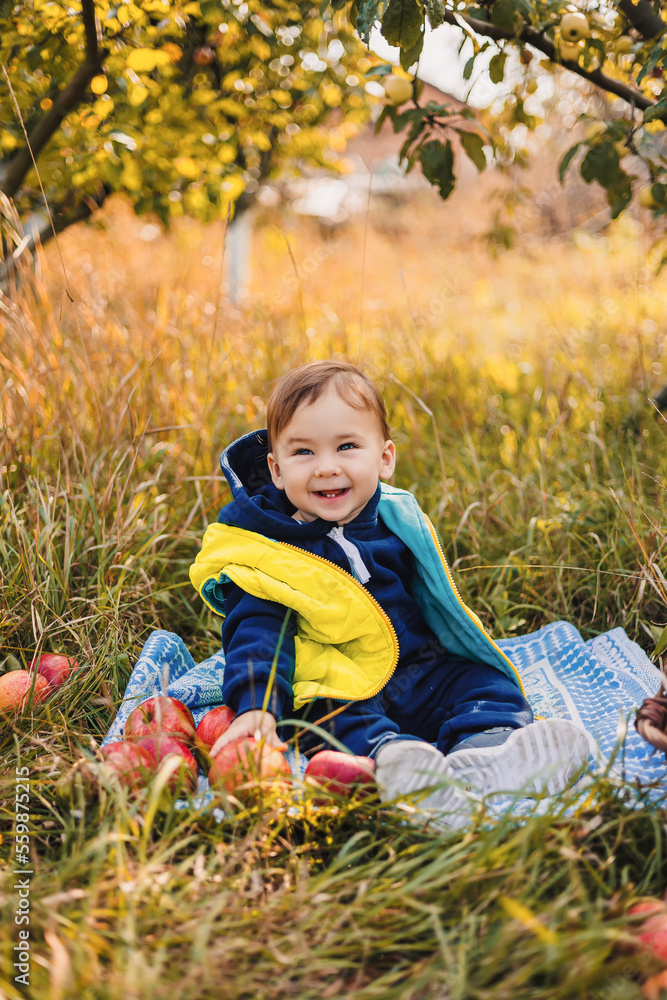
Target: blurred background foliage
186, 107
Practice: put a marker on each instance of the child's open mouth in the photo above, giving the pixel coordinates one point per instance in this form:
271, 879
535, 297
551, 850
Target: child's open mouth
332, 494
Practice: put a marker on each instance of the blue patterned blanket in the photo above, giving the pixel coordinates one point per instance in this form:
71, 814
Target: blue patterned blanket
598, 684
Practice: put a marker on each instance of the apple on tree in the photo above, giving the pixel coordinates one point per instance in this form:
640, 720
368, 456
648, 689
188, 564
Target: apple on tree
574, 27
397, 90
653, 195
569, 51
624, 44
204, 56
160, 714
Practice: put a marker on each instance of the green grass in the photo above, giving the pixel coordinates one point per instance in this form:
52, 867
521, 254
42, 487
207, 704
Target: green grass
545, 477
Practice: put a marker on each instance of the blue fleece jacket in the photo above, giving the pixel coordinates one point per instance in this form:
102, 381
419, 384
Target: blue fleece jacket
253, 626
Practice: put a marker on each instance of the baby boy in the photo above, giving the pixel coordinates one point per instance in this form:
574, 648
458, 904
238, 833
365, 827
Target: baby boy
338, 603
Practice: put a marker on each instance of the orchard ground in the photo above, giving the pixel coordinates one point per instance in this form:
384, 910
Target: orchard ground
518, 389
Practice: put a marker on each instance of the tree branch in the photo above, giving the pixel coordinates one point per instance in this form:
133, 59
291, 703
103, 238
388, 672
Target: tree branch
642, 17
64, 215
67, 99
90, 27
538, 41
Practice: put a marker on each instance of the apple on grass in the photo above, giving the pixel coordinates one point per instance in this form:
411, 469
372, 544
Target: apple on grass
160, 714
15, 688
133, 763
212, 726
655, 987
340, 773
55, 667
245, 763
652, 934
160, 746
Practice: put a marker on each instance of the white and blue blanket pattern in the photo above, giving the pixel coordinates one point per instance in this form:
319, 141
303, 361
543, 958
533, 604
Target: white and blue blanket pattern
598, 684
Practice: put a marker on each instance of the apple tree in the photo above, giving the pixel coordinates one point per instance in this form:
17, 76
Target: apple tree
619, 46
183, 105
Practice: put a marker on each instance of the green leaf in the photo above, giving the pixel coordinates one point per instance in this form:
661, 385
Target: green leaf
383, 70
410, 56
504, 14
402, 23
656, 111
34, 56
370, 11
473, 145
417, 127
601, 164
522, 116
661, 645
497, 67
435, 11
649, 64
382, 117
620, 198
468, 68
402, 118
567, 160
438, 165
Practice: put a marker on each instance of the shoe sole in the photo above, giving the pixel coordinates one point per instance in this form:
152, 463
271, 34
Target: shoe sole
403, 771
543, 757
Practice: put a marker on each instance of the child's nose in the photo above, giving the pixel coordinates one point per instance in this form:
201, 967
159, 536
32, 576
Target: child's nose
328, 466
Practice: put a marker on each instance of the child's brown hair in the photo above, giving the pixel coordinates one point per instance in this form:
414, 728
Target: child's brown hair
307, 383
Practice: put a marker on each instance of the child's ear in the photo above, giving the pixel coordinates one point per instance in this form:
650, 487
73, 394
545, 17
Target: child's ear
388, 460
274, 469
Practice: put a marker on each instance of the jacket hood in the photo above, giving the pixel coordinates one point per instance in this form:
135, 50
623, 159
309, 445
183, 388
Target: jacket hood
260, 506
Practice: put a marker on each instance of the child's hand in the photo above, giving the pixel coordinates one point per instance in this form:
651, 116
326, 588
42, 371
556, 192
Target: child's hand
258, 724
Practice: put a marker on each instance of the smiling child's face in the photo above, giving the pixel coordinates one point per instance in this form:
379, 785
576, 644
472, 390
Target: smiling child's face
329, 458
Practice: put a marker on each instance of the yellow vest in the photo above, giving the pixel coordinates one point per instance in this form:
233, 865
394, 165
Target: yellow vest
345, 648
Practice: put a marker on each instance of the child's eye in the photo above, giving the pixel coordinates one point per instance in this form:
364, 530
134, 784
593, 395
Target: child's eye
303, 451
348, 444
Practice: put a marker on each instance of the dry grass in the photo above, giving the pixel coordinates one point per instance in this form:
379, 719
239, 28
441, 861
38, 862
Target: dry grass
544, 467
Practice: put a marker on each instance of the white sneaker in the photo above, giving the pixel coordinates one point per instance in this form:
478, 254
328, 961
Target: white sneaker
406, 767
543, 757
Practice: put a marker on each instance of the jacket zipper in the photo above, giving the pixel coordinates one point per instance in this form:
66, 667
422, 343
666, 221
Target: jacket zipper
358, 566
383, 613
465, 607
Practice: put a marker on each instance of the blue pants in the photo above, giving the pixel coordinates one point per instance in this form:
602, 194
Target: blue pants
441, 704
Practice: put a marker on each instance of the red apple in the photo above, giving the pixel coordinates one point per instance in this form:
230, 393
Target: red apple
655, 987
168, 716
204, 56
15, 688
245, 762
340, 772
653, 935
162, 746
647, 906
55, 667
133, 764
212, 726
